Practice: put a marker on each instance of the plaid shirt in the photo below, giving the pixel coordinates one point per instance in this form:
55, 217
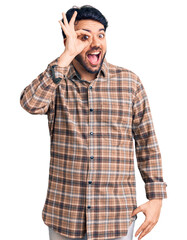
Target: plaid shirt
92, 125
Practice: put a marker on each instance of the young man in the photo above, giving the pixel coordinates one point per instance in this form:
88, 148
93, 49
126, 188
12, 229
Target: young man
95, 110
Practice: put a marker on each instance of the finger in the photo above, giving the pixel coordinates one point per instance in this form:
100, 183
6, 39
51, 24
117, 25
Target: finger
81, 31
85, 39
141, 228
137, 210
65, 19
72, 21
61, 23
87, 42
63, 27
146, 231
81, 34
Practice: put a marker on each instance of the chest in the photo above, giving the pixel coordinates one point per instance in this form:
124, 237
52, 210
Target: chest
109, 102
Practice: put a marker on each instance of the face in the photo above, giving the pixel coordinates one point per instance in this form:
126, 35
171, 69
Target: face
91, 58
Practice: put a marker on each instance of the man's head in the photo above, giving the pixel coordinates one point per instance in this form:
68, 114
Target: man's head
91, 20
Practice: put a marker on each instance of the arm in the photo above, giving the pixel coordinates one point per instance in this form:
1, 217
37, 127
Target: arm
149, 161
147, 149
36, 98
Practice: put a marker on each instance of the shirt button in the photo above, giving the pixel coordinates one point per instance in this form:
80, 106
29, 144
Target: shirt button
92, 157
91, 109
91, 133
89, 207
57, 80
89, 182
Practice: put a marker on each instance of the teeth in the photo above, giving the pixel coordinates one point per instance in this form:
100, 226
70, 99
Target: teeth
95, 53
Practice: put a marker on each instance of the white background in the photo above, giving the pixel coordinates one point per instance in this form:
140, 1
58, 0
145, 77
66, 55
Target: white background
147, 37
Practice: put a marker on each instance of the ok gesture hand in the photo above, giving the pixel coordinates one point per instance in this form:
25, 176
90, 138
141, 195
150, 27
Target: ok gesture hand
76, 41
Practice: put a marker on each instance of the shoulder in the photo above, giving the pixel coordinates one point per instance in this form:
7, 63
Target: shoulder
120, 72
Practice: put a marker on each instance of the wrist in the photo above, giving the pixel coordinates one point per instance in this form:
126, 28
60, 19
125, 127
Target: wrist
65, 59
156, 201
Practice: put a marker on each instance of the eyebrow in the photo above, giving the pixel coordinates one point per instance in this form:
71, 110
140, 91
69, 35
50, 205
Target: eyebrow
101, 29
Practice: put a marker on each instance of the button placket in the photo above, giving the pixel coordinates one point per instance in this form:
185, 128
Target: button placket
90, 148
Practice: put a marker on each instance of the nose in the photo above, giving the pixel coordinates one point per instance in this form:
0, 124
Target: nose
95, 42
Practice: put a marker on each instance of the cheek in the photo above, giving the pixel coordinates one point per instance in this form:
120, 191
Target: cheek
104, 46
83, 53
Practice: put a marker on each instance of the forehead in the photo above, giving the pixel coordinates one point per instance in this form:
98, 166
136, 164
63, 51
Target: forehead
92, 25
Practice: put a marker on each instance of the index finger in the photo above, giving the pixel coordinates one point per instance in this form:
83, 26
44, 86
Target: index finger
82, 31
71, 22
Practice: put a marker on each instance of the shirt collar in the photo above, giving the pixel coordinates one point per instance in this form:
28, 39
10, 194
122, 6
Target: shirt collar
72, 72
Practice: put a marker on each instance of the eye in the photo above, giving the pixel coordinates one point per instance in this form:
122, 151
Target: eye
101, 35
85, 37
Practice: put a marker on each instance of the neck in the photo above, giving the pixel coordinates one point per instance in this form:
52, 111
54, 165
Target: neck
85, 75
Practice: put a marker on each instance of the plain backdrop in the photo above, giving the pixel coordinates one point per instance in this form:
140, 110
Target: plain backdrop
146, 37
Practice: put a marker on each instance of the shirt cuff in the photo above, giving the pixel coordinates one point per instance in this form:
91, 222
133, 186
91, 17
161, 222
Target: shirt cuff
156, 190
58, 73
54, 75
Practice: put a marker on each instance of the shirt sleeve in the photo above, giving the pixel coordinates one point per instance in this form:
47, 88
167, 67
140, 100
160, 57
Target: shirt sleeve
146, 146
38, 96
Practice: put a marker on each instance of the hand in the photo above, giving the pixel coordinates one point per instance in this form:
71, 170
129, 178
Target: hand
76, 41
151, 210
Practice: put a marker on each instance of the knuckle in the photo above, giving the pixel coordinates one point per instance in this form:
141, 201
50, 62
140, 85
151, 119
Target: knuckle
154, 221
149, 221
144, 232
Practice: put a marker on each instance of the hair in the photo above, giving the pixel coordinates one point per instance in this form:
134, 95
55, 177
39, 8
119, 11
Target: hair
86, 12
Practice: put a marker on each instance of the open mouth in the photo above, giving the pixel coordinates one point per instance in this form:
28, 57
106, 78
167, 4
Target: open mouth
94, 58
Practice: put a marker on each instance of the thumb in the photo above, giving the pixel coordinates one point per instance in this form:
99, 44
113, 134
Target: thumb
87, 42
137, 210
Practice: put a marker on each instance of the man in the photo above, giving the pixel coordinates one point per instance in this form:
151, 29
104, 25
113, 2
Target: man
95, 110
